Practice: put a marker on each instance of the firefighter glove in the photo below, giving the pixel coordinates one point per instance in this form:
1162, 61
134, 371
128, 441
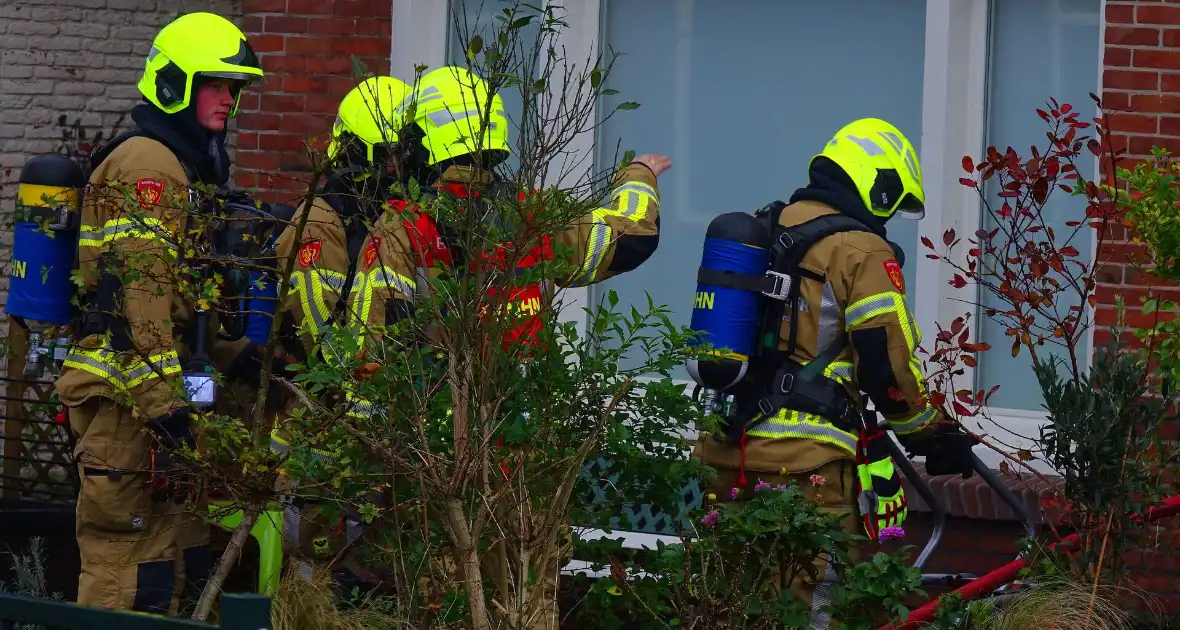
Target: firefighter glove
949, 453
880, 496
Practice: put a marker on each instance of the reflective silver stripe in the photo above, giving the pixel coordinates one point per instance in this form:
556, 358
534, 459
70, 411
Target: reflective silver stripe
86, 232
867, 145
821, 598
429, 94
916, 421
864, 309
829, 319
842, 370
383, 277
332, 280
791, 428
354, 529
448, 116
599, 235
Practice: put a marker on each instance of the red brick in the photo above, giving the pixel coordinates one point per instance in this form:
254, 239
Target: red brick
257, 160
248, 101
360, 8
1162, 103
285, 24
304, 123
267, 43
246, 180
284, 63
311, 7
259, 121
293, 162
328, 65
1117, 101
1169, 82
1149, 58
1142, 145
332, 26
341, 85
360, 46
1119, 79
310, 45
1154, 14
1133, 123
373, 26
1120, 57
1109, 273
1105, 315
1119, 13
280, 142
282, 103
1121, 253
263, 6
315, 85
320, 105
1132, 36
252, 24
1170, 125
247, 141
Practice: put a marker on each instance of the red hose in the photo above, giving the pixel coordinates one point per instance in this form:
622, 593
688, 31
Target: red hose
991, 581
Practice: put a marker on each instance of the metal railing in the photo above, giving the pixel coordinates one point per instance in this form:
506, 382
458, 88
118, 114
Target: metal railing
237, 612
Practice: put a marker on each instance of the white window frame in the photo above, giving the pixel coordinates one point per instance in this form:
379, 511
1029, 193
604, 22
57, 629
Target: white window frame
954, 124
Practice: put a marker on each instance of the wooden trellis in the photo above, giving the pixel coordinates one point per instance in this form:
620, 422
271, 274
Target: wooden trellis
38, 464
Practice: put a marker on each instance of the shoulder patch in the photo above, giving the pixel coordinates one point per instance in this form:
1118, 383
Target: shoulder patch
309, 253
371, 250
149, 191
893, 268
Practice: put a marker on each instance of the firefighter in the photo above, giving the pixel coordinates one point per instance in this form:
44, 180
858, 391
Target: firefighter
852, 321
352, 268
450, 105
454, 153
140, 549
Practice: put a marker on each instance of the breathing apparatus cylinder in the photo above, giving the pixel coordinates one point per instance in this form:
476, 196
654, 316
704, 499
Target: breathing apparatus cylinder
260, 306
44, 247
728, 318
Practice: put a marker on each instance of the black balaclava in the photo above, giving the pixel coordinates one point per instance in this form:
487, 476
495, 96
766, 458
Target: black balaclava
199, 148
830, 185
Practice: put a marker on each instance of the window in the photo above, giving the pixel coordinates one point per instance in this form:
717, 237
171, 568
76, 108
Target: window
732, 94
1038, 51
741, 94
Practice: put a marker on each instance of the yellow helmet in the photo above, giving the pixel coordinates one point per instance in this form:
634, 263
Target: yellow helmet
449, 108
371, 115
882, 164
196, 44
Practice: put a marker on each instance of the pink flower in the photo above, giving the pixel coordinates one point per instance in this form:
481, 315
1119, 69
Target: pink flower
818, 480
711, 518
762, 485
733, 494
891, 533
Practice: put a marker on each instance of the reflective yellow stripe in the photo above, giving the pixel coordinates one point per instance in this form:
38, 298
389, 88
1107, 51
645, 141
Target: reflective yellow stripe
788, 423
915, 422
122, 228
631, 201
361, 297
115, 368
882, 304
283, 447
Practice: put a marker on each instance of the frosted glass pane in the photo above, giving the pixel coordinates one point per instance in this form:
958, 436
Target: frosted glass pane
741, 94
1039, 49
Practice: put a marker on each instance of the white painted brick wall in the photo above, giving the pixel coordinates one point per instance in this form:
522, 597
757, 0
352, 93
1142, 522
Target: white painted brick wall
79, 59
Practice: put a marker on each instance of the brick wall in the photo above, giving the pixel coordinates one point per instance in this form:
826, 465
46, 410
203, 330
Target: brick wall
1141, 80
305, 47
68, 70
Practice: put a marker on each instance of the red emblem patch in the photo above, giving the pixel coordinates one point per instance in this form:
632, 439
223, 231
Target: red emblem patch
309, 253
894, 270
371, 250
149, 191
